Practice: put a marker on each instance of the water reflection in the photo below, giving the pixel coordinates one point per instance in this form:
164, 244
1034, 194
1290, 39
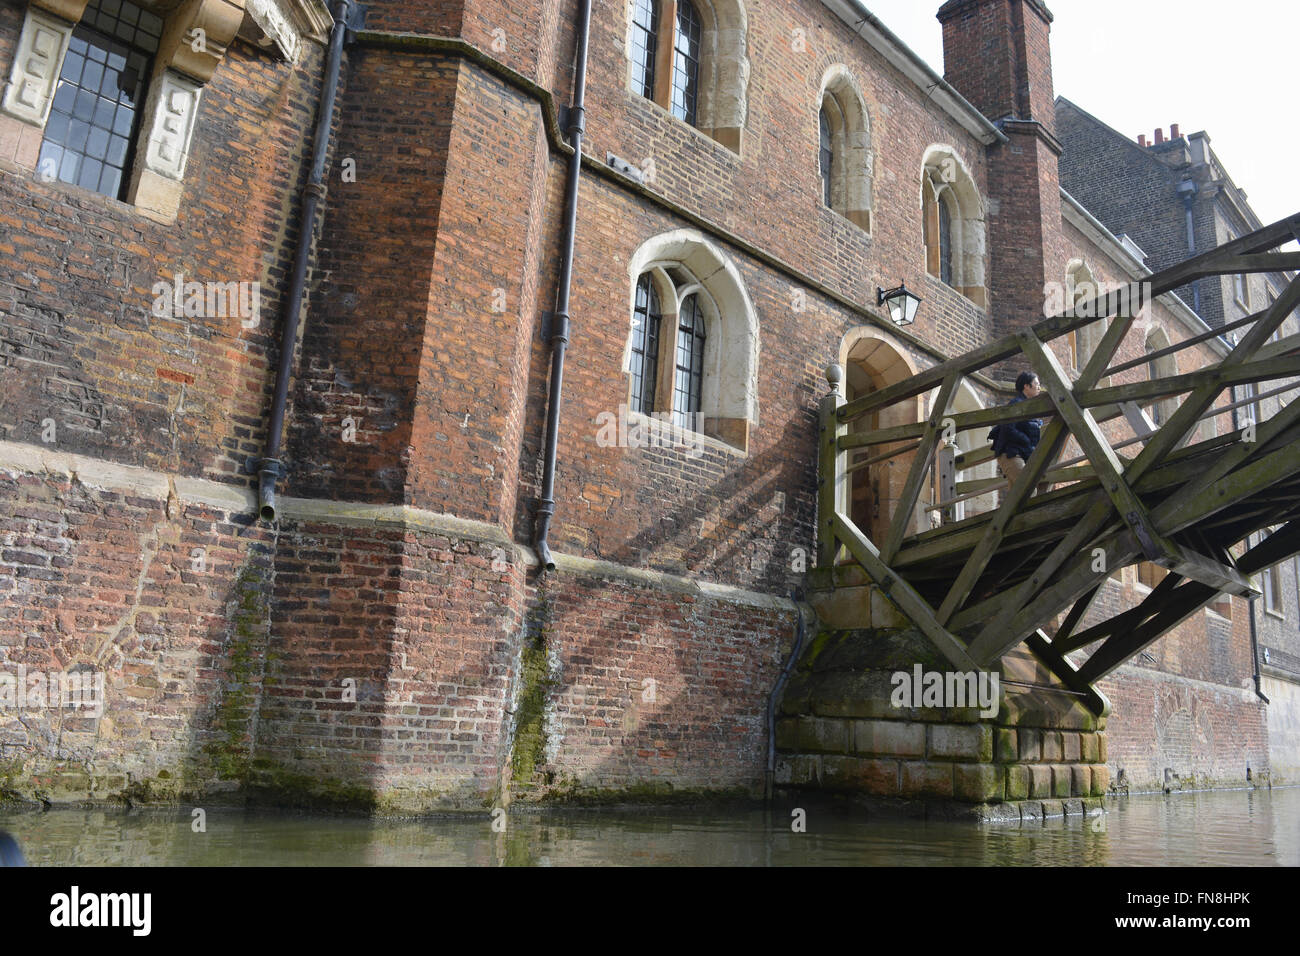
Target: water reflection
1196, 829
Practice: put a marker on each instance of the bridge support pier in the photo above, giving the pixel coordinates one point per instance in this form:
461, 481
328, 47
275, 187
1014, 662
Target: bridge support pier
866, 718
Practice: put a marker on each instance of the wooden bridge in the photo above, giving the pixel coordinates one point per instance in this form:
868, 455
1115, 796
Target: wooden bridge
1133, 491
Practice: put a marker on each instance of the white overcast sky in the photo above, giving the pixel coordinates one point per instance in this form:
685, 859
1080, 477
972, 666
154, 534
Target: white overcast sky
1228, 69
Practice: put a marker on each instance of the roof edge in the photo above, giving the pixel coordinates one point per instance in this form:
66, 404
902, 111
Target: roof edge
1073, 212
868, 26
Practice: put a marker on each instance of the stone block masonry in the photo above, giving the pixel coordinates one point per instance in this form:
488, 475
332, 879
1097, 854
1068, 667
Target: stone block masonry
1039, 756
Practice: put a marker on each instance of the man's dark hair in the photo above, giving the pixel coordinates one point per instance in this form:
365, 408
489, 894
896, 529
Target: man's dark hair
1023, 379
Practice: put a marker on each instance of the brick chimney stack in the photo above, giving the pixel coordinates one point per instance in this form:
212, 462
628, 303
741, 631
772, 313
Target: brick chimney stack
1160, 135
1142, 139
1173, 132
997, 54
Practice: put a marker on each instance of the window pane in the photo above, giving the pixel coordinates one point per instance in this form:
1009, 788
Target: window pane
645, 345
645, 43
945, 241
89, 131
825, 156
688, 378
686, 63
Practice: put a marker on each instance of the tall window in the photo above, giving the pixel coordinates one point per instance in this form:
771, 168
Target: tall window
952, 224
686, 64
89, 138
844, 148
646, 318
1153, 373
1241, 289
645, 46
825, 155
1272, 583
945, 238
689, 380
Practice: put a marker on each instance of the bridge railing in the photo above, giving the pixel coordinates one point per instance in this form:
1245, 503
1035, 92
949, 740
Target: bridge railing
1103, 499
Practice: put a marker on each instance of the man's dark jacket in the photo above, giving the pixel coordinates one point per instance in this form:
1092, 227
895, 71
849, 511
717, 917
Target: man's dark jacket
1017, 439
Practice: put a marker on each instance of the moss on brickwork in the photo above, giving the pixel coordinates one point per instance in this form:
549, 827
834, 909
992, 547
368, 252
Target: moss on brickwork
231, 750
528, 752
570, 793
274, 786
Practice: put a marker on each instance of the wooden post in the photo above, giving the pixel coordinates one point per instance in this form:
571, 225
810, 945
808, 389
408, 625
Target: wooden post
832, 481
948, 479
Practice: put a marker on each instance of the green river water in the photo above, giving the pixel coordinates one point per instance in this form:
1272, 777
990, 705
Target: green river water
1246, 828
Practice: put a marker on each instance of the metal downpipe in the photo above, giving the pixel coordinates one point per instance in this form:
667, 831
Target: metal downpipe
575, 126
271, 469
769, 779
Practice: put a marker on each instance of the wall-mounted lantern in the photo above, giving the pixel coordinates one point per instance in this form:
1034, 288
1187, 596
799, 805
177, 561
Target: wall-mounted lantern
902, 304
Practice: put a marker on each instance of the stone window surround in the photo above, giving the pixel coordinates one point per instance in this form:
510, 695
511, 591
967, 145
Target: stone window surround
182, 67
724, 66
1081, 286
729, 400
944, 172
852, 161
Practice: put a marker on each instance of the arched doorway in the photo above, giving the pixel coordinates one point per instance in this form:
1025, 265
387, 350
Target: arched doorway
872, 361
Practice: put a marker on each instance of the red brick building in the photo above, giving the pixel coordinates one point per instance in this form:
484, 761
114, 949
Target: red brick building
751, 172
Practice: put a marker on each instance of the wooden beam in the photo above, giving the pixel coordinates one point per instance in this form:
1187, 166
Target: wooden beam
1073, 582
1175, 514
1177, 606
1076, 615
1187, 343
896, 588
991, 637
1123, 622
1261, 240
1217, 574
1259, 262
1213, 375
1095, 445
1185, 601
829, 476
1059, 664
1173, 432
921, 464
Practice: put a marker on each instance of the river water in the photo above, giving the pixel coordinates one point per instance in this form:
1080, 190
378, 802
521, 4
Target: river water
1246, 828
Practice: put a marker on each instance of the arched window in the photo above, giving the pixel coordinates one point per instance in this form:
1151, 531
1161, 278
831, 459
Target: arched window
1081, 289
689, 56
844, 148
704, 378
952, 224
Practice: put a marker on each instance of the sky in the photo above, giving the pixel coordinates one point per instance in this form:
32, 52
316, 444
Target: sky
1139, 64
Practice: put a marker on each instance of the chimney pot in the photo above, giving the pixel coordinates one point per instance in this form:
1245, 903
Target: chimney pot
1160, 135
1142, 139
1173, 132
